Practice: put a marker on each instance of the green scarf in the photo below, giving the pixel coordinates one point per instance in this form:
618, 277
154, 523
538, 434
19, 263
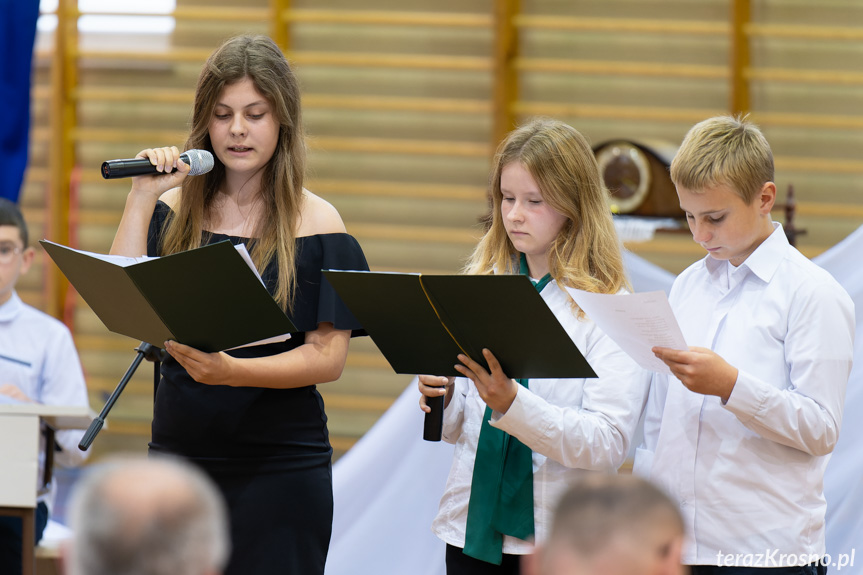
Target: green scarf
501, 490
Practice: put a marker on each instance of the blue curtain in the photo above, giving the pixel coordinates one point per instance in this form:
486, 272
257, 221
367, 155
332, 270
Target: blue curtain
17, 34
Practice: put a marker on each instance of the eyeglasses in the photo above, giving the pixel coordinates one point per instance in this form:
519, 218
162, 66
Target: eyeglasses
8, 252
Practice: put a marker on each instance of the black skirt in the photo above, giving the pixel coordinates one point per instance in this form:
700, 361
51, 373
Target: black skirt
268, 450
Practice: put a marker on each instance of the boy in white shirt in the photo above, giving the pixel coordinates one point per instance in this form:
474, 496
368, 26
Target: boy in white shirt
742, 433
39, 364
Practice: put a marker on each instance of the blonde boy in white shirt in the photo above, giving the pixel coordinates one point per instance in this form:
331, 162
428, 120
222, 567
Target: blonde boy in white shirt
742, 433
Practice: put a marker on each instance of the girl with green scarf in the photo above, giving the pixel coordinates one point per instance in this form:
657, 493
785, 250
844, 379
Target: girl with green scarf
519, 444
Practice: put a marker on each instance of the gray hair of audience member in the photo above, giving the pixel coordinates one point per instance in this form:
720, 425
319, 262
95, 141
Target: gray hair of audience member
612, 524
147, 516
597, 506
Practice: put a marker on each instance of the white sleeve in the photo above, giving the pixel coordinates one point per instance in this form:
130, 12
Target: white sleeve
595, 434
62, 383
819, 347
453, 415
643, 462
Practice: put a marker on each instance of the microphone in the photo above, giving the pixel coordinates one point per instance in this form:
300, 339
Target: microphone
201, 162
433, 422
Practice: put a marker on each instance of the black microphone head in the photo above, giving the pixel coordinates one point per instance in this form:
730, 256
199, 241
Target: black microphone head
200, 161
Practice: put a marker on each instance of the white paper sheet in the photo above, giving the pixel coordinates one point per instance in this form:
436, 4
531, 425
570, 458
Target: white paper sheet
636, 322
125, 261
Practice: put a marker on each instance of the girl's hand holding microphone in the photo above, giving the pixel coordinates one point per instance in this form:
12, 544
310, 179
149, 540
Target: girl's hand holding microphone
436, 393
167, 161
432, 386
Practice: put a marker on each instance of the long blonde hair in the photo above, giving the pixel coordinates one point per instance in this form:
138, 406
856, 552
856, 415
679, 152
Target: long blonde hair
259, 59
586, 253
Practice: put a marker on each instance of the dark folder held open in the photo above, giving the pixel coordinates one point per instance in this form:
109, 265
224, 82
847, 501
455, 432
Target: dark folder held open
208, 297
422, 322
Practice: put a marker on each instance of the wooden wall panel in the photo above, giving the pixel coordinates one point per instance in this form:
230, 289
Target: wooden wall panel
404, 101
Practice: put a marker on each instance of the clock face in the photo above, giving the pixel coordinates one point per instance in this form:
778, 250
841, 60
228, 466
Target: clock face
625, 170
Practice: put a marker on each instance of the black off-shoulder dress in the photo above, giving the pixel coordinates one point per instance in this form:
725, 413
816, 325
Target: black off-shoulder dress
267, 449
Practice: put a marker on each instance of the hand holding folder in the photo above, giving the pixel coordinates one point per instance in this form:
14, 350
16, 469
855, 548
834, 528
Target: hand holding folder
422, 322
208, 298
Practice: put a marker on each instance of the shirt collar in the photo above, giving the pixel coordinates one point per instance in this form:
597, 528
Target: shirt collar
763, 262
11, 309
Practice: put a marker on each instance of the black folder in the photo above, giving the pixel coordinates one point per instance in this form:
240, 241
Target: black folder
422, 322
208, 297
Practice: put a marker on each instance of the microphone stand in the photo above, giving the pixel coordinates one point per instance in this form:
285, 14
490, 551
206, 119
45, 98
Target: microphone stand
145, 351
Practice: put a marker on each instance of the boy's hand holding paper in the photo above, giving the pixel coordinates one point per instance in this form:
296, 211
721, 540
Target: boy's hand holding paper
701, 370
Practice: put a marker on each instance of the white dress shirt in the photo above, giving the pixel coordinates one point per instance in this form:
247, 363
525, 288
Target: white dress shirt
749, 474
38, 356
572, 426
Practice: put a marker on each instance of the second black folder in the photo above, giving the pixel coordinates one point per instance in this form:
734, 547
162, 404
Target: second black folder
421, 323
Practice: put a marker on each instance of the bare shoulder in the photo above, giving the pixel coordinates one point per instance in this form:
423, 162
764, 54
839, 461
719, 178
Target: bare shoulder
171, 197
318, 216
